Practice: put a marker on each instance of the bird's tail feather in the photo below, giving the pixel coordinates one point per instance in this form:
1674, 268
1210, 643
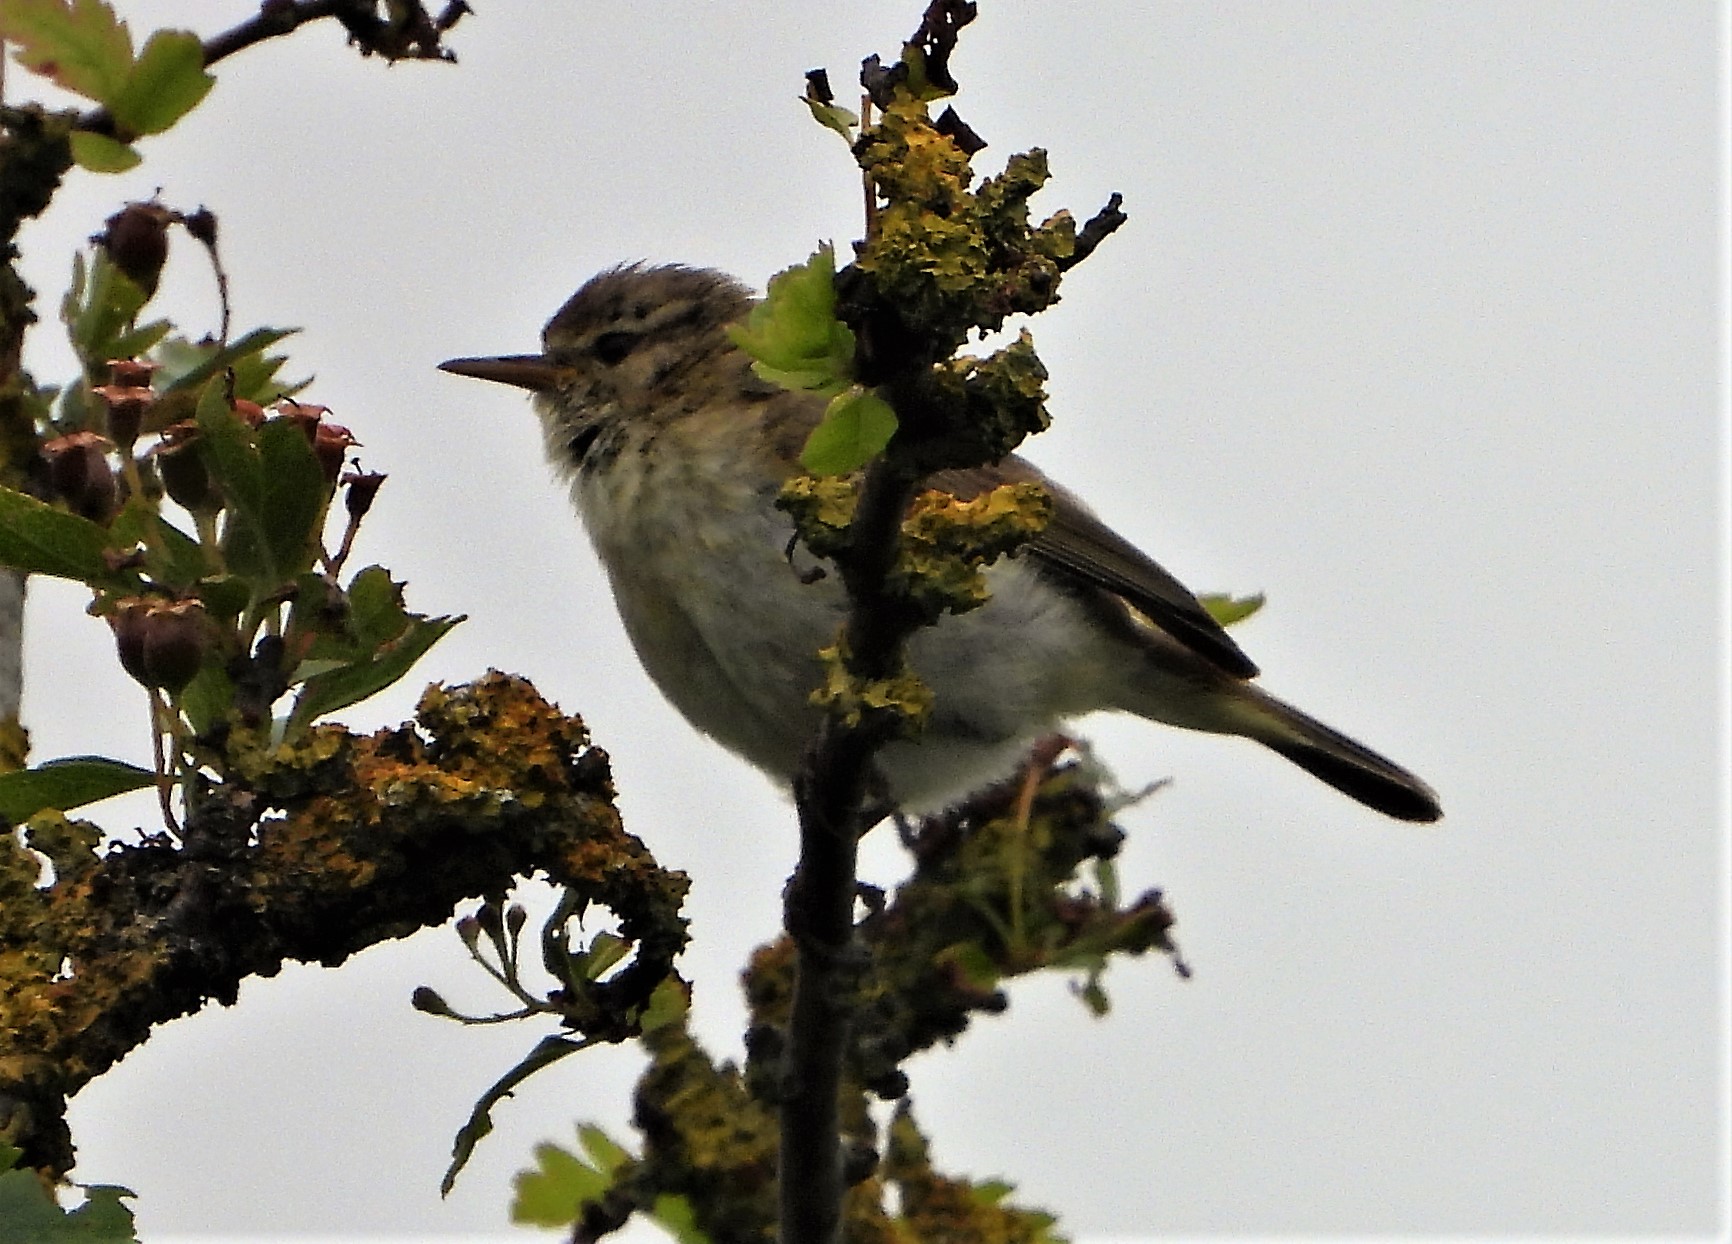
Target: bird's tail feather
1347, 765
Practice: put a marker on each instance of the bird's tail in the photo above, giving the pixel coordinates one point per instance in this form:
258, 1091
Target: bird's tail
1347, 765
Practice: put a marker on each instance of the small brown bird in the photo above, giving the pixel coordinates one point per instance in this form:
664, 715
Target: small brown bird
675, 451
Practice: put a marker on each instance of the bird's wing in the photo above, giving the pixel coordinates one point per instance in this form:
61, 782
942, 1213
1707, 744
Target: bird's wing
1091, 554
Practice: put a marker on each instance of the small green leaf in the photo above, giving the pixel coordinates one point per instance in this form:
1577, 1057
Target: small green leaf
667, 1005
172, 557
329, 692
1227, 609
555, 1193
206, 700
69, 783
376, 613
99, 309
603, 1150
833, 117
39, 539
605, 950
294, 498
167, 82
673, 1213
187, 366
855, 428
79, 44
224, 596
793, 335
101, 154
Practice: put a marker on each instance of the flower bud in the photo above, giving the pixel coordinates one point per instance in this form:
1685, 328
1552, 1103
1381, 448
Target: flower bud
125, 407
330, 446
79, 472
202, 224
363, 486
176, 638
161, 643
127, 623
183, 472
136, 239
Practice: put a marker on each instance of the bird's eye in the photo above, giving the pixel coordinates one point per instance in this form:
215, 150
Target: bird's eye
611, 348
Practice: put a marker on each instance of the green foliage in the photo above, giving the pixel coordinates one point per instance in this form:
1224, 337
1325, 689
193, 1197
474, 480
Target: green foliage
101, 154
797, 342
29, 1215
1227, 609
69, 783
378, 647
227, 612
794, 335
856, 427
100, 312
83, 46
39, 539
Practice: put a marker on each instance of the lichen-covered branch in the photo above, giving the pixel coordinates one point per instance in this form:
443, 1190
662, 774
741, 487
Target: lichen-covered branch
943, 259
311, 852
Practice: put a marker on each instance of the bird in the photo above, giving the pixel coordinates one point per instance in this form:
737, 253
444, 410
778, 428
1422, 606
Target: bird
675, 450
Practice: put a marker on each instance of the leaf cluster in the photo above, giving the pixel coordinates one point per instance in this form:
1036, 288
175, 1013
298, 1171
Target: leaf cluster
197, 518
84, 47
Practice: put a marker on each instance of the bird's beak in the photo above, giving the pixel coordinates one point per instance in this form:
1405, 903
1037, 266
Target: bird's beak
535, 372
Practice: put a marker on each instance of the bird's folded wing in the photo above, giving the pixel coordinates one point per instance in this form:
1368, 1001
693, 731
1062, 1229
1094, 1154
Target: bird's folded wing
1083, 548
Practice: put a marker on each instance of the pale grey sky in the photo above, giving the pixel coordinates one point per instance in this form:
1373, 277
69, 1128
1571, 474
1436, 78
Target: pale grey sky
1417, 325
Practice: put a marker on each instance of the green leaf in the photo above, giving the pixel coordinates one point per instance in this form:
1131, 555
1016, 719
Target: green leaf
605, 950
673, 1213
1227, 609
855, 428
39, 539
667, 1005
29, 1213
833, 117
329, 692
606, 1152
99, 308
78, 44
555, 1193
376, 613
294, 496
101, 154
793, 335
206, 700
225, 445
186, 366
167, 82
69, 783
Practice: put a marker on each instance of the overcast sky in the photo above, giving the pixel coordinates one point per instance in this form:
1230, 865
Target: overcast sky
1417, 326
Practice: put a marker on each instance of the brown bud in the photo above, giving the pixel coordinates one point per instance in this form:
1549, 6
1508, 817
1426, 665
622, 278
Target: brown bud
136, 239
202, 224
183, 472
251, 413
125, 405
306, 418
363, 487
330, 445
131, 373
128, 624
79, 472
176, 637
